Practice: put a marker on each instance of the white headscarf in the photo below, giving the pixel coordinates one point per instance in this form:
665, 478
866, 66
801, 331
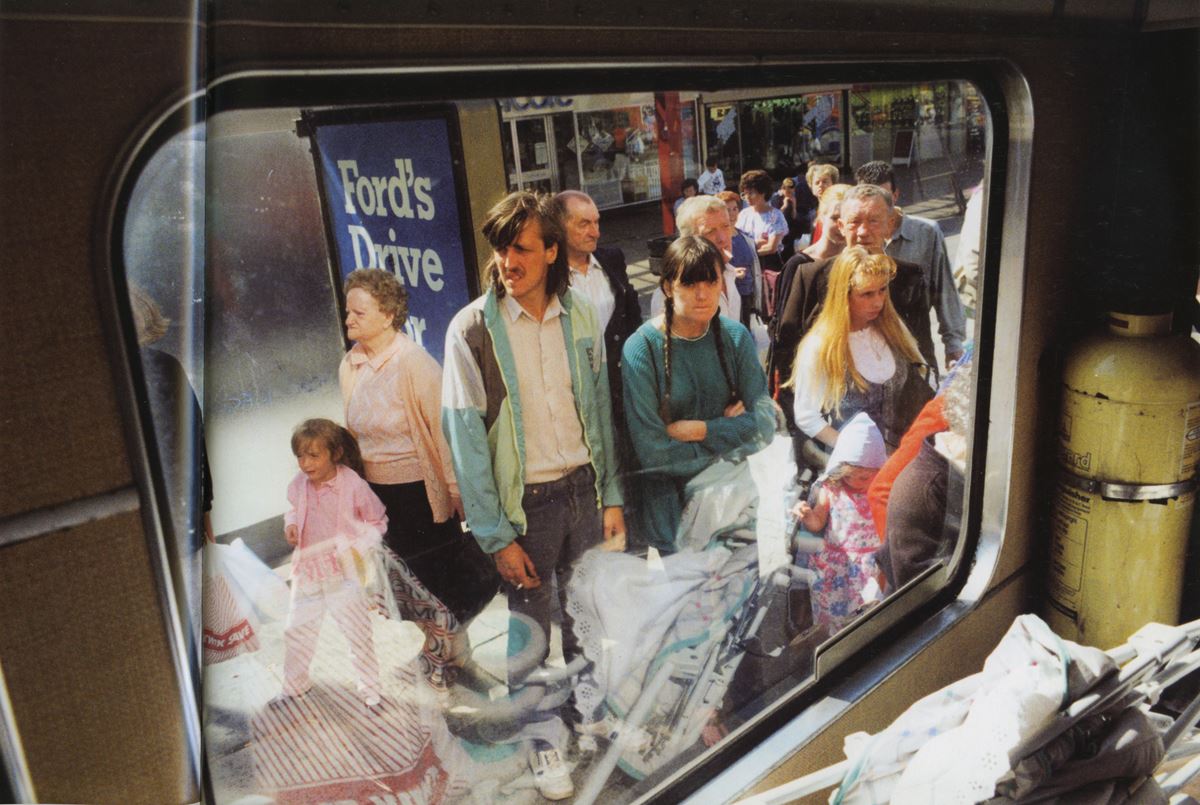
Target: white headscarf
859, 443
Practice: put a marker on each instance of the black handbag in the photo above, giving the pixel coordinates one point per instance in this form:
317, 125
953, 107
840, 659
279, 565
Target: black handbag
478, 579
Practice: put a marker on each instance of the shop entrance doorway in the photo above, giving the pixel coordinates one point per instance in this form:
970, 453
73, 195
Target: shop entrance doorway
533, 155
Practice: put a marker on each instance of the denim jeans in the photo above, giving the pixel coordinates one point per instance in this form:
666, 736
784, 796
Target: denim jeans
563, 520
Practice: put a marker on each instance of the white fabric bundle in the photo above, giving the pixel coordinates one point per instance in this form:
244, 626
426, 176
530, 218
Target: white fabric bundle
953, 745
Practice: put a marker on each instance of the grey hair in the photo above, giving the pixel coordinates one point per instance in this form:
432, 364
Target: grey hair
567, 196
694, 208
866, 192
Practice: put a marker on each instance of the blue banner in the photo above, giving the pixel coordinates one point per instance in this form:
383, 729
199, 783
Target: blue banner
392, 203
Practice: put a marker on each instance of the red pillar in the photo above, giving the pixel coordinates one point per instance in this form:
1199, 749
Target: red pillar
670, 153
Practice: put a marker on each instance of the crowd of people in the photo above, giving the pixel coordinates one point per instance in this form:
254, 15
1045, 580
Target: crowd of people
561, 424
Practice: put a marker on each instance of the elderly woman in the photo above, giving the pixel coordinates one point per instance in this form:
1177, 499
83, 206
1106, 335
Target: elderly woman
694, 390
392, 390
858, 356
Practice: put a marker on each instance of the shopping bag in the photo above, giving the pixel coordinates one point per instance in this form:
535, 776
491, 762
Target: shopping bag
251, 581
229, 628
762, 337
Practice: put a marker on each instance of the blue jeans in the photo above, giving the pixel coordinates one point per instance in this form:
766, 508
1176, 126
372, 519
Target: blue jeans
563, 521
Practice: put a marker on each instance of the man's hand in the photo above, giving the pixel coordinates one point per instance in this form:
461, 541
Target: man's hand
953, 358
688, 430
614, 529
292, 533
515, 567
735, 409
739, 271
456, 506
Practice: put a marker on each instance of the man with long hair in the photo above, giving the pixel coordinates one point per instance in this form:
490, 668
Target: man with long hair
526, 411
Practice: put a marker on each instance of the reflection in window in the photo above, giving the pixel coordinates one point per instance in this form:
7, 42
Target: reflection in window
163, 244
748, 549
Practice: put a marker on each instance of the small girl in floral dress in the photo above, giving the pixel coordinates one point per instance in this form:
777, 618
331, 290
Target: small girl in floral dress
847, 574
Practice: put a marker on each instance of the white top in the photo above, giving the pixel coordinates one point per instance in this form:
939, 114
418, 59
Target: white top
872, 358
756, 224
711, 182
595, 286
970, 244
554, 442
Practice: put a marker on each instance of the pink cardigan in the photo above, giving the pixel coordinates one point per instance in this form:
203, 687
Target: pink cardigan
421, 391
361, 518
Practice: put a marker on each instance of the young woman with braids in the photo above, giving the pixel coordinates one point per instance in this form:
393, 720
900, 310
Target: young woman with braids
694, 390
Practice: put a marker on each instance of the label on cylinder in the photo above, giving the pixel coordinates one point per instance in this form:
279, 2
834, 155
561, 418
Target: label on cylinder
1067, 548
1191, 442
1128, 442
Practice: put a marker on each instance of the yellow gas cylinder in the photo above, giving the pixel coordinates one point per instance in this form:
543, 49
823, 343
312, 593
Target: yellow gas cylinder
1128, 444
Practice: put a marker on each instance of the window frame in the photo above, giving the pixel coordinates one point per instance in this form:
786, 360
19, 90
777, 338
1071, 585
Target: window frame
911, 622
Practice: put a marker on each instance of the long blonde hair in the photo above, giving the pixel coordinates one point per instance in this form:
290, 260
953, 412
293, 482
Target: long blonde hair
854, 269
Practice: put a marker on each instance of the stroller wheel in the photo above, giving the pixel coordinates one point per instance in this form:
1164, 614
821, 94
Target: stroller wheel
527, 645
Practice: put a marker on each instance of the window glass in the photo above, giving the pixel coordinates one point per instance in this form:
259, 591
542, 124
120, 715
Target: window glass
358, 644
163, 243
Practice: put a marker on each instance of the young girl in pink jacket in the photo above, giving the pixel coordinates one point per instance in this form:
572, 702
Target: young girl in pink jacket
335, 522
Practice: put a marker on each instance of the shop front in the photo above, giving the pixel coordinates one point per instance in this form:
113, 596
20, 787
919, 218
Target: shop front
778, 134
906, 123
608, 146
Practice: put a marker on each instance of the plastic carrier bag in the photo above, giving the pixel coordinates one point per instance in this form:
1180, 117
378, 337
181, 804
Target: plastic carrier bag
240, 593
250, 579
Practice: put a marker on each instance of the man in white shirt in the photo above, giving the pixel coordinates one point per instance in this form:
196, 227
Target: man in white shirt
599, 273
525, 410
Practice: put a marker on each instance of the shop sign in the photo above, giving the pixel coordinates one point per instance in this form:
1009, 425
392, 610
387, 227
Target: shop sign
393, 199
536, 105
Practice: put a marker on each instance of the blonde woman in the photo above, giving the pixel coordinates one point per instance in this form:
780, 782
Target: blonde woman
831, 242
858, 356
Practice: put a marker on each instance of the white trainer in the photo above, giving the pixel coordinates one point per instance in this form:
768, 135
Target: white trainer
551, 776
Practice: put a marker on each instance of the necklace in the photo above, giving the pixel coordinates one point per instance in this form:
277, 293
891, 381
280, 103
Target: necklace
677, 334
863, 336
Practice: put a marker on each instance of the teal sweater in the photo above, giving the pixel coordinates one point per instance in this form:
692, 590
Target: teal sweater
698, 391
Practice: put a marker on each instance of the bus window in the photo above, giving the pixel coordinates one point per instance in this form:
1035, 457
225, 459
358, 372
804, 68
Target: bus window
832, 503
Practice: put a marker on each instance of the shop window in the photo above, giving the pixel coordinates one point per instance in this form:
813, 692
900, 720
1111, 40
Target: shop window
682, 645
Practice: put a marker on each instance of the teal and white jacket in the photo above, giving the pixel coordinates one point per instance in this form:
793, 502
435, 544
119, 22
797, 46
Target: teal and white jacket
481, 413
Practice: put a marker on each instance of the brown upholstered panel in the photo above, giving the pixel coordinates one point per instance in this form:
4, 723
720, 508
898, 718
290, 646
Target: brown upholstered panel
59, 419
87, 666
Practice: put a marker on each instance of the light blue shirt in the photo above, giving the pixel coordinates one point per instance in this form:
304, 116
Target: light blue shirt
920, 241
